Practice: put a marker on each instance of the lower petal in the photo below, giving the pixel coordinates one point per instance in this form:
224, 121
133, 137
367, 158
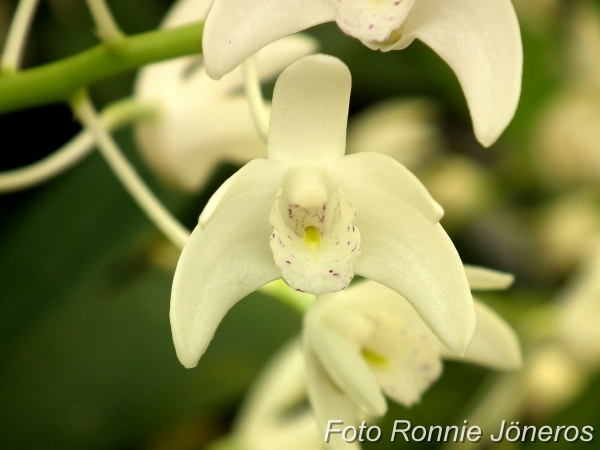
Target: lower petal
328, 402
482, 278
342, 358
224, 261
495, 344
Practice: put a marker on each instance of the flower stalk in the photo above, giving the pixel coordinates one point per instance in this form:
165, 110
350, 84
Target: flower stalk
17, 35
114, 116
106, 26
126, 173
256, 102
58, 81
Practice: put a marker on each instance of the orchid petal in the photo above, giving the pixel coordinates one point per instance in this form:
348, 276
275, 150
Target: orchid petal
280, 385
482, 278
494, 344
215, 200
327, 401
343, 360
224, 261
401, 249
381, 173
264, 422
235, 30
310, 111
276, 56
480, 40
270, 61
259, 179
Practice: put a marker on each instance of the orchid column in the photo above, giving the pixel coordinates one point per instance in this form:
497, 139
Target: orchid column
314, 217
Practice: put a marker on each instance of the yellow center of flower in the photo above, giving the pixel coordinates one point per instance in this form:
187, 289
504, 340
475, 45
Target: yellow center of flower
375, 359
312, 236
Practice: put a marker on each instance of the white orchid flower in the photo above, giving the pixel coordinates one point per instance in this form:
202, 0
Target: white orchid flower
201, 122
314, 217
369, 341
479, 39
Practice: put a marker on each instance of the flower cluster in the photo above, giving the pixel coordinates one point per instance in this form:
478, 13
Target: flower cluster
315, 217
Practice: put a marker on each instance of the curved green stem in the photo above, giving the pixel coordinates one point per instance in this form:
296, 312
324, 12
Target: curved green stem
17, 35
125, 172
285, 294
60, 80
256, 102
106, 27
114, 116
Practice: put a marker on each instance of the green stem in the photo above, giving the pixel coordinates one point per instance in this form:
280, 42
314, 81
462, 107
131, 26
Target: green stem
256, 102
114, 116
17, 35
106, 27
125, 172
58, 81
285, 294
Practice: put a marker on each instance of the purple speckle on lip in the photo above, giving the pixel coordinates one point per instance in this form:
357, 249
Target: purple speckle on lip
287, 262
371, 26
397, 3
331, 271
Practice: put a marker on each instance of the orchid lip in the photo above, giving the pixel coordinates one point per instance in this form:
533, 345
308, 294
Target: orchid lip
314, 246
